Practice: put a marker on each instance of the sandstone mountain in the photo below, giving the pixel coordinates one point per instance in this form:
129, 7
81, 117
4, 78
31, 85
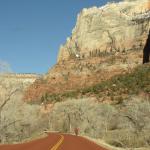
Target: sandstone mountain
106, 41
106, 29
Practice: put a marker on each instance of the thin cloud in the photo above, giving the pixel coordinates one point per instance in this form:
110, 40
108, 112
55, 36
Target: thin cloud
5, 67
18, 29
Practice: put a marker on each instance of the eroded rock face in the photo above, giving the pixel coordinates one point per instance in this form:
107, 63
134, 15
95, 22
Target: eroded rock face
11, 81
107, 29
105, 42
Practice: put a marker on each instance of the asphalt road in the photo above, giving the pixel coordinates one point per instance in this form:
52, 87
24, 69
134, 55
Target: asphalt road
55, 141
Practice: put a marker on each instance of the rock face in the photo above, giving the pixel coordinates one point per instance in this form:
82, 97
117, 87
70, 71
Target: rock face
105, 42
25, 78
107, 29
10, 81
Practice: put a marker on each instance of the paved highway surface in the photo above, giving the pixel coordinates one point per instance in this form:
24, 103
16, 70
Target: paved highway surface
55, 141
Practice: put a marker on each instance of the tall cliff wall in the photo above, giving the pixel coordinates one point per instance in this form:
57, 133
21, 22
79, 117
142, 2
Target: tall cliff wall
110, 28
105, 42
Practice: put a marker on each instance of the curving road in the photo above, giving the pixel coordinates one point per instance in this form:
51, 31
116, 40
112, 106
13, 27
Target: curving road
55, 141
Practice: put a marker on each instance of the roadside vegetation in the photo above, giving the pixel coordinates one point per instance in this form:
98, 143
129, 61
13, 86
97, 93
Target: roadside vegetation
18, 120
126, 126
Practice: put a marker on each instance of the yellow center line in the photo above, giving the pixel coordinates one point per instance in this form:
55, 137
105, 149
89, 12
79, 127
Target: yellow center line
55, 147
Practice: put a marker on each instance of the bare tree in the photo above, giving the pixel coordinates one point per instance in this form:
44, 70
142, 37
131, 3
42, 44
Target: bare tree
4, 124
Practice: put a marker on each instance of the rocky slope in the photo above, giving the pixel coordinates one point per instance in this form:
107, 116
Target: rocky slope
106, 40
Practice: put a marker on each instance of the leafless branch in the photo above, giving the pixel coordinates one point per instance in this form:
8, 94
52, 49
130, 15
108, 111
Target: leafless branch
8, 99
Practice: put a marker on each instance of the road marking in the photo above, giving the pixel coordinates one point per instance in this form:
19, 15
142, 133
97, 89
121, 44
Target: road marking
55, 147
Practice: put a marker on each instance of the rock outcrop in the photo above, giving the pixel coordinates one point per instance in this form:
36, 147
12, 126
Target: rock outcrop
105, 42
25, 78
111, 28
10, 81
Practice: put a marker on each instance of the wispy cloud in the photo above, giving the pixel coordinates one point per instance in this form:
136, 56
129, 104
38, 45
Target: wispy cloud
5, 67
18, 29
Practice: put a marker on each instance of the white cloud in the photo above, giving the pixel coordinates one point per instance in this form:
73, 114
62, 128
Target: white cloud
5, 67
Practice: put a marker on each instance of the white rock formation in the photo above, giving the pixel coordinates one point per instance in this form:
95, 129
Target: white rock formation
110, 28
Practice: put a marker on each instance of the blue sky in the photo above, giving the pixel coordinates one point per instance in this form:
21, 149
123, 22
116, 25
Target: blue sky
31, 31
